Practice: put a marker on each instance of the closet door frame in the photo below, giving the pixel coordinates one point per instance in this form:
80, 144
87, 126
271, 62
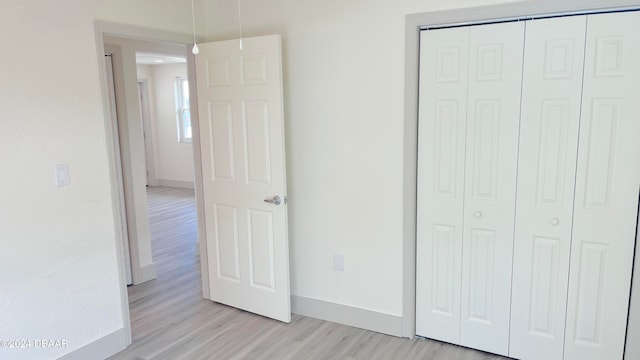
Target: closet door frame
501, 12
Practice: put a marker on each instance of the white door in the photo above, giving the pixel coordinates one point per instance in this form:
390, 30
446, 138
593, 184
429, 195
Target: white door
606, 200
470, 80
240, 108
442, 120
551, 94
493, 121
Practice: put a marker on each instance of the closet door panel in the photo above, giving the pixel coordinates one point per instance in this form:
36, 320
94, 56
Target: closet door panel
495, 75
442, 120
608, 178
550, 118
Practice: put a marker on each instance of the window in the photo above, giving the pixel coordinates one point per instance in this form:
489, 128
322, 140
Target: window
182, 110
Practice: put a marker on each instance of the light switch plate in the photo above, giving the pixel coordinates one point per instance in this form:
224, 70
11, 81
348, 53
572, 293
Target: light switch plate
62, 175
338, 262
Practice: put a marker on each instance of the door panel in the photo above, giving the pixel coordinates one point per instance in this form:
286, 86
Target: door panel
442, 121
242, 143
551, 95
226, 240
261, 249
495, 75
606, 201
255, 116
221, 135
482, 265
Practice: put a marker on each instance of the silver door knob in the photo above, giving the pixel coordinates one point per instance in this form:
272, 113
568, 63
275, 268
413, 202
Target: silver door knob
478, 214
276, 200
555, 221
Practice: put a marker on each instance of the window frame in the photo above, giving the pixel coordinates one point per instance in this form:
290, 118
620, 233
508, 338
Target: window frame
185, 133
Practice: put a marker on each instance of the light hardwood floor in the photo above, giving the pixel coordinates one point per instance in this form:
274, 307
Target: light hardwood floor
170, 319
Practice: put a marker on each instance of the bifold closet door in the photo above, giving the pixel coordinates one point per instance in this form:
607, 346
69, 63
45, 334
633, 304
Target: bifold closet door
466, 182
550, 118
493, 118
606, 200
444, 65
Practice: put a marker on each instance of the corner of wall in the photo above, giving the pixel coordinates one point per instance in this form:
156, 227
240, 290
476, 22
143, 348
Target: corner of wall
102, 348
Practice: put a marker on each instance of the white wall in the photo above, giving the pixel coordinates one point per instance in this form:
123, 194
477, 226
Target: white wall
173, 160
167, 15
59, 277
344, 110
58, 263
145, 74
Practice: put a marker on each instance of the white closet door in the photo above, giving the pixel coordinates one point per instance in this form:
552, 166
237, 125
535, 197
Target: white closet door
551, 94
442, 121
493, 117
608, 177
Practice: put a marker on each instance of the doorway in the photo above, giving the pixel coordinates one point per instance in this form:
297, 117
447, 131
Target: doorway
163, 88
133, 161
163, 96
136, 118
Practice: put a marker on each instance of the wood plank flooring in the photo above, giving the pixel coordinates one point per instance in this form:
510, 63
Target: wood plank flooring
170, 319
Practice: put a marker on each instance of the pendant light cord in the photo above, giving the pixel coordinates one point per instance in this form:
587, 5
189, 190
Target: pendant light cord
195, 49
239, 22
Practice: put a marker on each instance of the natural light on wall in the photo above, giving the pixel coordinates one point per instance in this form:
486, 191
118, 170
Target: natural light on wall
183, 115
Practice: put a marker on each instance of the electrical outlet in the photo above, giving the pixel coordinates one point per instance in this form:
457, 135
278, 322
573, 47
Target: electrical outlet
338, 262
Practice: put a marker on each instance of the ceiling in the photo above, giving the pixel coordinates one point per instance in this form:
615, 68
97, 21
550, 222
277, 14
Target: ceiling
158, 59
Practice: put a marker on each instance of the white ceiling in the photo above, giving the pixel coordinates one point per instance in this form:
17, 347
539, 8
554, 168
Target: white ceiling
158, 59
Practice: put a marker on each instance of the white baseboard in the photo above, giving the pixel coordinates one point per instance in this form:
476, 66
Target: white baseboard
100, 349
176, 184
144, 274
347, 315
148, 272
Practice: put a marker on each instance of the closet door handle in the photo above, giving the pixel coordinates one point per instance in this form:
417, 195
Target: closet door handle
555, 221
477, 214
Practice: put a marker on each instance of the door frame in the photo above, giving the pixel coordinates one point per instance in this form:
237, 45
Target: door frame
414, 23
114, 55
102, 29
149, 155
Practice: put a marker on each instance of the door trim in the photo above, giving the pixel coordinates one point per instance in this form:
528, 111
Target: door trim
117, 166
116, 203
132, 208
413, 25
143, 87
103, 29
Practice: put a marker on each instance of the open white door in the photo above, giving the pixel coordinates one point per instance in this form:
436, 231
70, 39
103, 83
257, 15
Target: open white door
244, 178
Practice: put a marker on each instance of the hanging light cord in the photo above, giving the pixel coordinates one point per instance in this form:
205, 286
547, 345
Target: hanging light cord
239, 22
195, 49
